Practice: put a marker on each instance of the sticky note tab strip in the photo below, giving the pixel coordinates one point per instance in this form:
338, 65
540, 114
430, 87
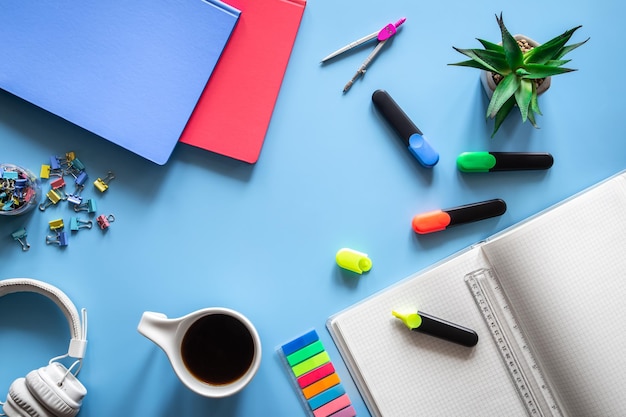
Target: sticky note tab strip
313, 373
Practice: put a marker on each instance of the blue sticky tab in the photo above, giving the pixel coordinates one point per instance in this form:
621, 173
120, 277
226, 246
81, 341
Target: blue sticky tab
326, 396
299, 343
422, 151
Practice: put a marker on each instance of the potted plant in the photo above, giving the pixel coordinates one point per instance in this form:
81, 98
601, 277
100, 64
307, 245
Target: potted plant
518, 69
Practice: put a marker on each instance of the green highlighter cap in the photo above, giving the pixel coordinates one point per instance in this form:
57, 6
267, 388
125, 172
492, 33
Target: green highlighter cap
475, 162
353, 260
412, 320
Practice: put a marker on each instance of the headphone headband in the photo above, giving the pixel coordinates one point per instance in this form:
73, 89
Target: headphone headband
78, 331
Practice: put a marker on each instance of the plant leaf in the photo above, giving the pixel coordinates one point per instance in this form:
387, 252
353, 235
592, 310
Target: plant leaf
549, 50
534, 103
531, 119
523, 97
505, 90
502, 113
542, 71
569, 48
491, 46
491, 60
556, 62
472, 64
512, 52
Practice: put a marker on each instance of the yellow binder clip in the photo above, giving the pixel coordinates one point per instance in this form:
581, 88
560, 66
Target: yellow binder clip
44, 172
53, 198
56, 224
353, 260
102, 184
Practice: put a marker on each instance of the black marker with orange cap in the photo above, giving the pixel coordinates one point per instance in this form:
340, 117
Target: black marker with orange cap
437, 220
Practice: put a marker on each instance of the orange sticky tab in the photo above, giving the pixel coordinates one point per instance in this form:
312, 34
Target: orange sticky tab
321, 385
432, 221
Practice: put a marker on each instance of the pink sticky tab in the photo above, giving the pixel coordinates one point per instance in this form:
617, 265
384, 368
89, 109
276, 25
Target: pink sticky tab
333, 406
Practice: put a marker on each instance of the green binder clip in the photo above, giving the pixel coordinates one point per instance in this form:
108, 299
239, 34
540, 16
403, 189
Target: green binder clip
353, 260
20, 236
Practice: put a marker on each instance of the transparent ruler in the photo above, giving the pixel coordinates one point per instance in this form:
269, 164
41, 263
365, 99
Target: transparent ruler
511, 343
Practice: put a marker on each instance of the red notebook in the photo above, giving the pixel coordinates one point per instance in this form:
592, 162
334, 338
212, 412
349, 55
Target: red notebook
234, 111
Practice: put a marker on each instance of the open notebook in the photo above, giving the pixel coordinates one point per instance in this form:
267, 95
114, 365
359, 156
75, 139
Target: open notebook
563, 273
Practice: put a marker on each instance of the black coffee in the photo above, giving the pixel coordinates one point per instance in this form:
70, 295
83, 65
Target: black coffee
217, 349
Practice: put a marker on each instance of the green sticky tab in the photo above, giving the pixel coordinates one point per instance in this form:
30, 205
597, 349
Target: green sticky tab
311, 363
305, 353
475, 162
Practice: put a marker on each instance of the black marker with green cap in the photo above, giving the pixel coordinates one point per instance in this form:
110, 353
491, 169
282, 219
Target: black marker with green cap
503, 161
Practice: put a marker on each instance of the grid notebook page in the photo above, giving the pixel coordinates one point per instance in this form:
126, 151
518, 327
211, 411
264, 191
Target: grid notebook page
565, 275
406, 373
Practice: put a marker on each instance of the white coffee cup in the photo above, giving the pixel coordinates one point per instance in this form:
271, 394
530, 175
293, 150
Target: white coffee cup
215, 351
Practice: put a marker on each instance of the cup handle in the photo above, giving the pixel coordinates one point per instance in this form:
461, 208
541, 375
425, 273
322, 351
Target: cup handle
158, 328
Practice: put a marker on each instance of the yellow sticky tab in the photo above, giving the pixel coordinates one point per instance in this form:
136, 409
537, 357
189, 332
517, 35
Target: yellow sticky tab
353, 260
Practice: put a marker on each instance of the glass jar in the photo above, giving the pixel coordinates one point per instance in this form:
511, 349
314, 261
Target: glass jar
20, 190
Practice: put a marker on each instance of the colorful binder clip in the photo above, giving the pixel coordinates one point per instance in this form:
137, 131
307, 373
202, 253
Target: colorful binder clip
58, 185
44, 172
102, 184
20, 236
56, 224
79, 181
75, 198
61, 239
105, 221
55, 164
76, 224
353, 260
75, 167
53, 198
89, 206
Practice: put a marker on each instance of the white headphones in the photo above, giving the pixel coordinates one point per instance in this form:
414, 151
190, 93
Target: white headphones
53, 390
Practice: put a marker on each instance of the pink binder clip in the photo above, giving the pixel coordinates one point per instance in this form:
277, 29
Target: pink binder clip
105, 221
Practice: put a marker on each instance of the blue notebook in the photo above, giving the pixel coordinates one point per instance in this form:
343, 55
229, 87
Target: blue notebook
128, 71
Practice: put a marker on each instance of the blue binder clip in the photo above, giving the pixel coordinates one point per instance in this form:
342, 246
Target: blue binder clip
61, 239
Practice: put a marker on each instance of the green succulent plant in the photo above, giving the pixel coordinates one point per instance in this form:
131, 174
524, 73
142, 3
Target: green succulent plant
520, 71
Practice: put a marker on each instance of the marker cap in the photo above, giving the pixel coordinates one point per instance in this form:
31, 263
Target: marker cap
475, 162
353, 260
405, 128
503, 161
429, 222
437, 220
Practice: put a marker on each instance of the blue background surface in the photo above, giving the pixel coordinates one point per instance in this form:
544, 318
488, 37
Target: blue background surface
204, 230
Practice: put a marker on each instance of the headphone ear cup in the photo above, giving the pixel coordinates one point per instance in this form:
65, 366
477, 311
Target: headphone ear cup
21, 403
57, 389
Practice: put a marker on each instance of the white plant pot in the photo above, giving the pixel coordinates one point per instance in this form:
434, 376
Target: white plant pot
489, 85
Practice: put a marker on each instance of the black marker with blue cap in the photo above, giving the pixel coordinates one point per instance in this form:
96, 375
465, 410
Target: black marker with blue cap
406, 129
